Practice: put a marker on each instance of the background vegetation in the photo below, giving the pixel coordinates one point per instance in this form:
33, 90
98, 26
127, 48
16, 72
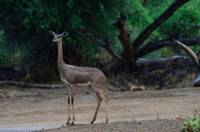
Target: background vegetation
192, 124
24, 26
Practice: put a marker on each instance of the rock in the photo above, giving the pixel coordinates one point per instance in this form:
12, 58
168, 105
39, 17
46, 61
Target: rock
136, 88
196, 82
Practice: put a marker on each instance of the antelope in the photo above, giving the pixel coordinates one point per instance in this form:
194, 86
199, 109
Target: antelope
73, 76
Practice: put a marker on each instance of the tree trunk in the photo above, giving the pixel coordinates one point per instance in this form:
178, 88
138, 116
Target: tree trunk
145, 2
124, 38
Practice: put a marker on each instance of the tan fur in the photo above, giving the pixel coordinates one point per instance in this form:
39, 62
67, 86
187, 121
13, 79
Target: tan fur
74, 76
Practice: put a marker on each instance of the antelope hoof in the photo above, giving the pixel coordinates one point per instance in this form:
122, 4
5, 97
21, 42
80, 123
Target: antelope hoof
106, 121
72, 123
68, 122
92, 122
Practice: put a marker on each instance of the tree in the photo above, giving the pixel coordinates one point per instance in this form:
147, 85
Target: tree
26, 24
132, 49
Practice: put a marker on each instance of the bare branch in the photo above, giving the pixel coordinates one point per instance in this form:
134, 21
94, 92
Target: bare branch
31, 85
153, 46
161, 19
189, 51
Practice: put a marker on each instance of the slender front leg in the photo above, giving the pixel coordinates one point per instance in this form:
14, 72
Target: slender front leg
69, 103
97, 108
72, 103
107, 109
106, 100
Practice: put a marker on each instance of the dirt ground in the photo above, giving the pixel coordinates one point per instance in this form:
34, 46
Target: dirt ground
36, 109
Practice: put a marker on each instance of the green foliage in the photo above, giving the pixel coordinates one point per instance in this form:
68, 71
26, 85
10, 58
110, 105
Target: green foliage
27, 22
192, 124
12, 55
1, 37
2, 52
184, 23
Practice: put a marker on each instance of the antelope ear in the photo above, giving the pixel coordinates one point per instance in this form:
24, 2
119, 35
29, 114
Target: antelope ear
64, 34
52, 33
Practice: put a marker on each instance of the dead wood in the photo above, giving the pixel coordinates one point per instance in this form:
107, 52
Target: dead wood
189, 51
152, 64
31, 85
157, 45
162, 63
194, 58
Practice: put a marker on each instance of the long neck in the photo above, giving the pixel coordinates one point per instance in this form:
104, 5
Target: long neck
60, 53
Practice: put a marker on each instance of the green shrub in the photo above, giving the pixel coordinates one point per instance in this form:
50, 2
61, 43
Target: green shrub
192, 124
2, 53
12, 55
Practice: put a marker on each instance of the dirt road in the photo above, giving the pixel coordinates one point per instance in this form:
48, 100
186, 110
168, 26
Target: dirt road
34, 109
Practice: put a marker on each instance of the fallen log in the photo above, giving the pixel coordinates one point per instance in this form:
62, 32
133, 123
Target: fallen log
157, 45
31, 85
154, 64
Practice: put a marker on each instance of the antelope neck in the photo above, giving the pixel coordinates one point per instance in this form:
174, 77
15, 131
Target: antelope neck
60, 53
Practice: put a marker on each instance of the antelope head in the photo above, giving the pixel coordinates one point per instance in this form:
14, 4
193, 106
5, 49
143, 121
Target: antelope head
57, 37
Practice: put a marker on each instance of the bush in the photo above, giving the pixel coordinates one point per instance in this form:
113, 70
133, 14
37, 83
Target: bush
192, 124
